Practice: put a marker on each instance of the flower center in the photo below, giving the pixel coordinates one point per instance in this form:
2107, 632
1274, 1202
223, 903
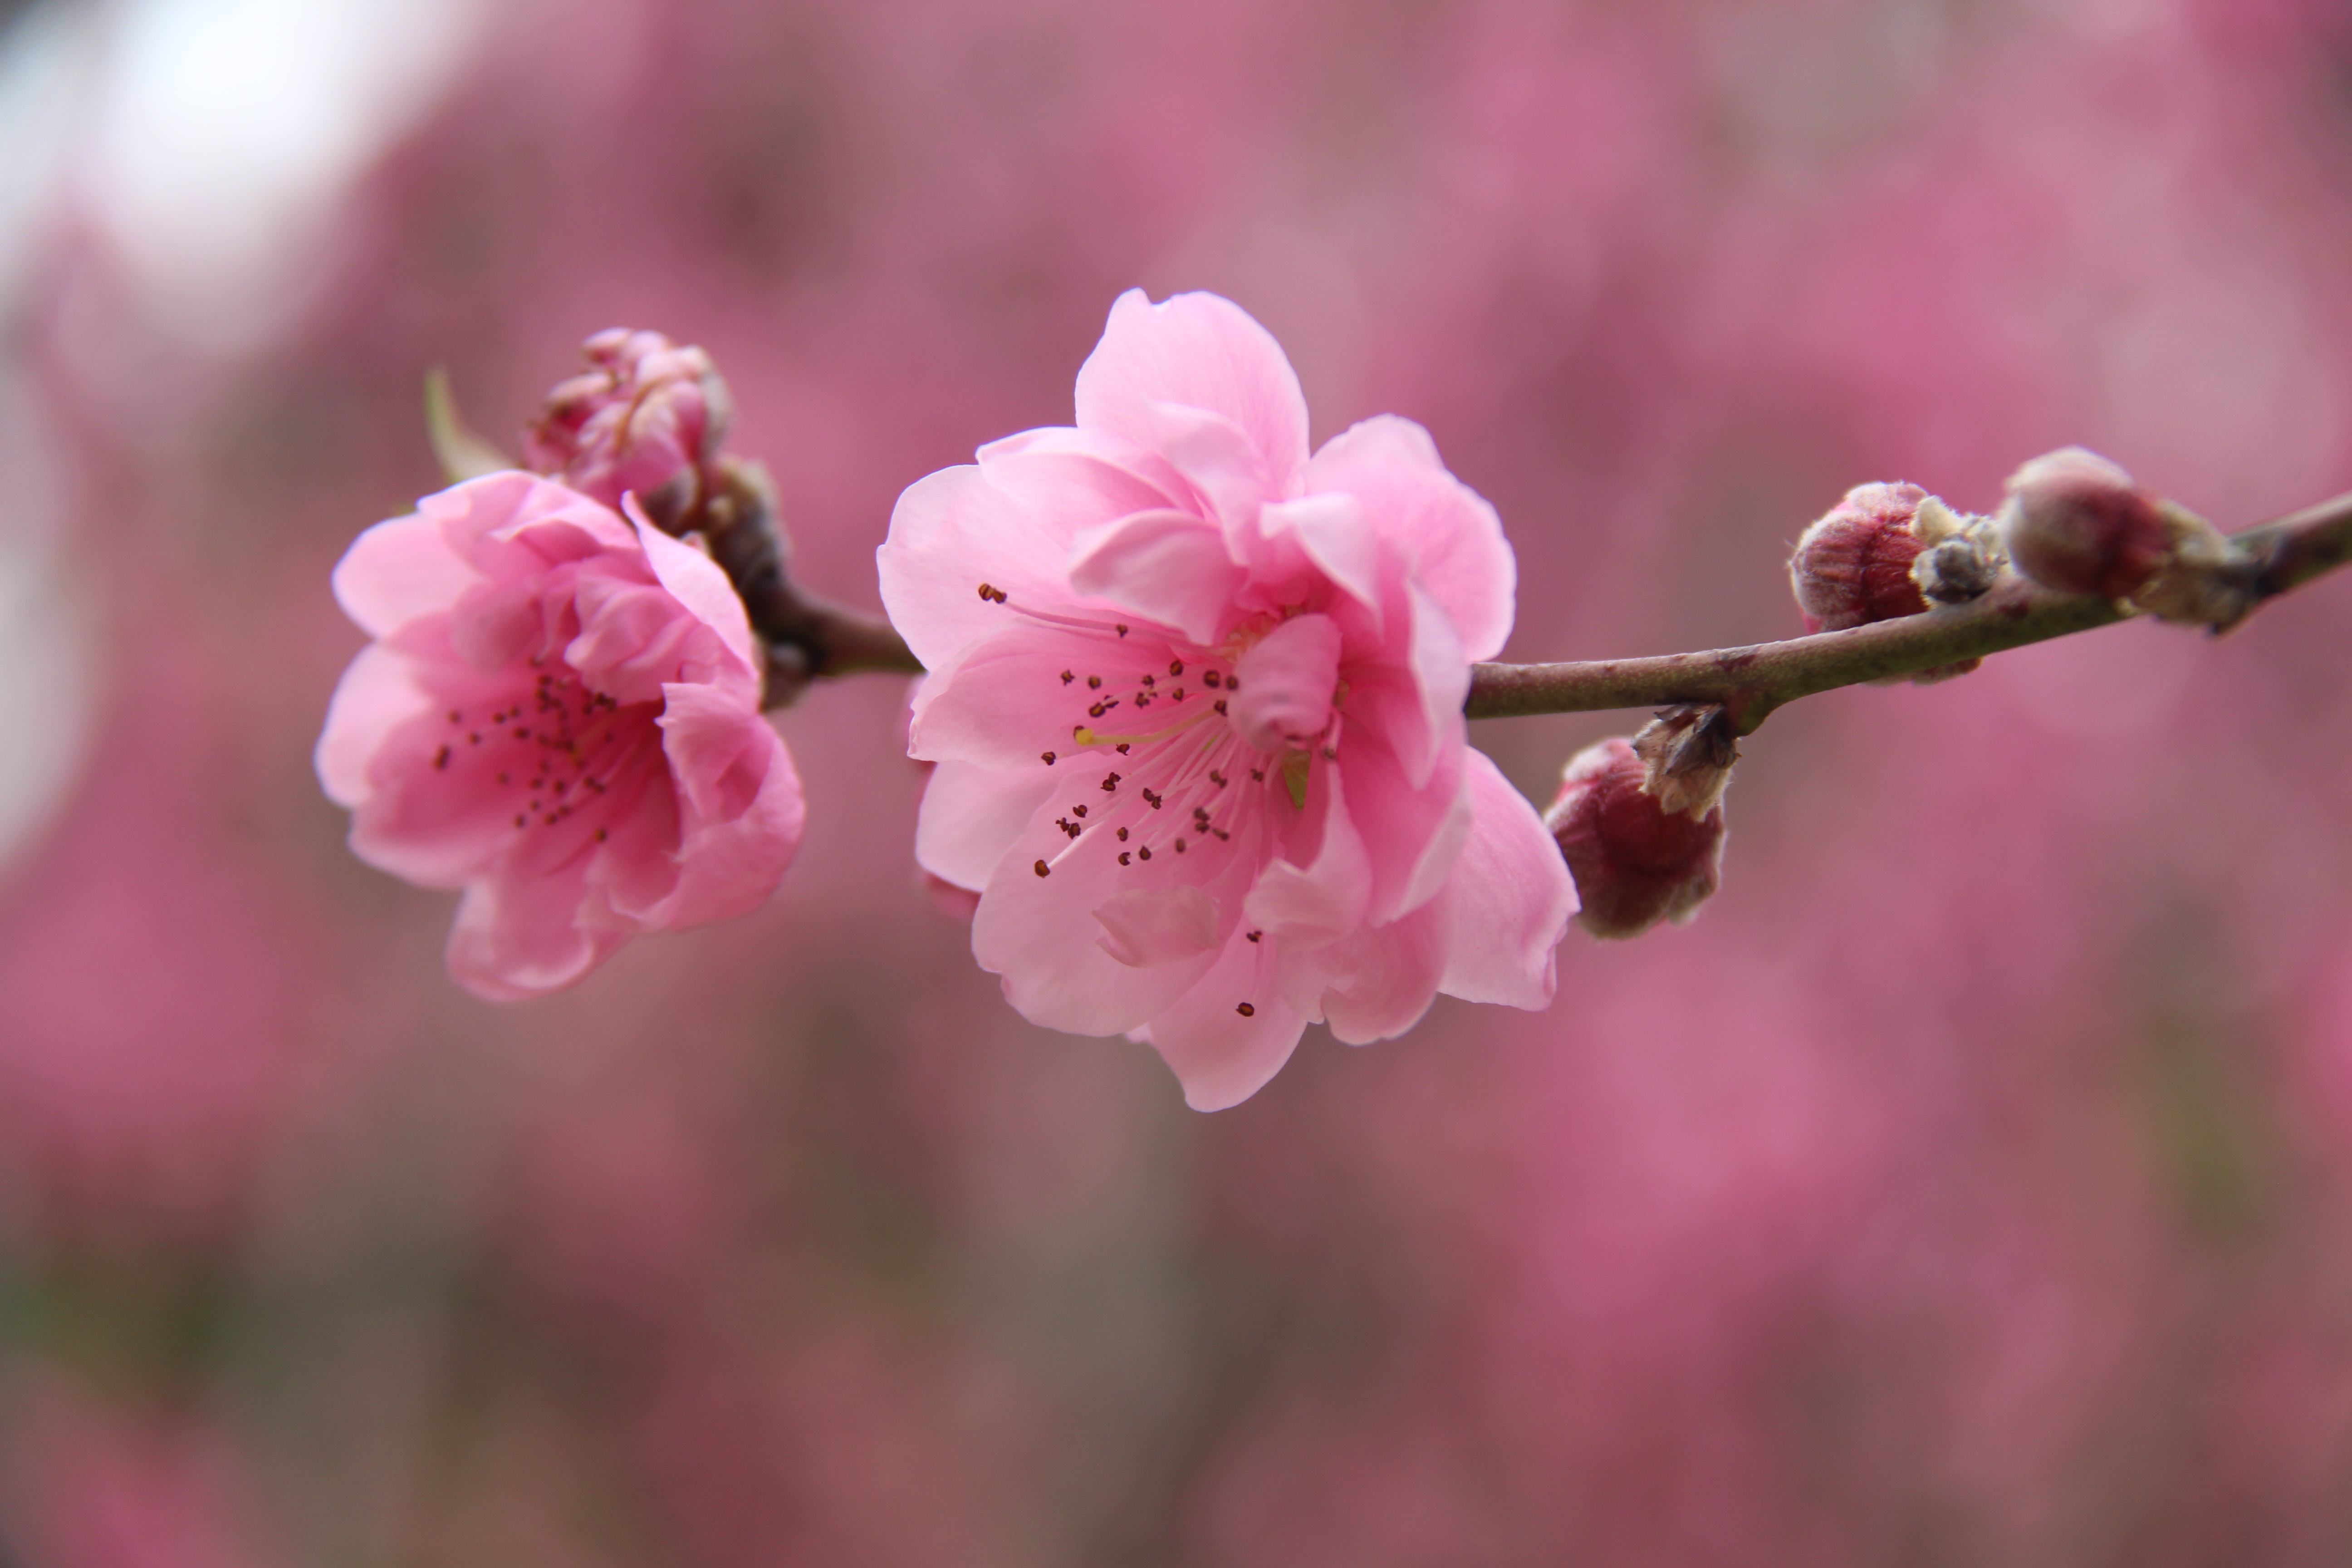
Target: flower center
555, 751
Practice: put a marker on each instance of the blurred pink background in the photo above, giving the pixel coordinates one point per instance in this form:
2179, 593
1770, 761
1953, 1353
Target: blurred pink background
1970, 1185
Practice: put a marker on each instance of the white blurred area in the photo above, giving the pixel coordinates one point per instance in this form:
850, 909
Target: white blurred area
198, 150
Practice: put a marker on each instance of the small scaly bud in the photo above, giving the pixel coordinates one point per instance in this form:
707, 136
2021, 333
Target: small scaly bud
645, 418
2075, 522
1962, 554
1884, 552
1636, 863
1687, 754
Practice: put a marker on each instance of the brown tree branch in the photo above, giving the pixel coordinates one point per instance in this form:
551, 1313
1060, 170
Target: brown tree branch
1750, 682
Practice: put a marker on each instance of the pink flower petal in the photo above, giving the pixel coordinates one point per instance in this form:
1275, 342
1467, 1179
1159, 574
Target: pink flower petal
970, 816
1449, 533
1331, 531
379, 693
520, 937
950, 533
1143, 927
1419, 828
1223, 465
1169, 566
1304, 907
694, 580
1380, 979
1037, 933
740, 804
1068, 480
399, 570
1204, 353
1004, 702
1288, 680
1507, 905
1221, 1055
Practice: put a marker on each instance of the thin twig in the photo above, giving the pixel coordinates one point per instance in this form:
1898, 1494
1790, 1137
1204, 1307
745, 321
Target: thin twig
806, 638
1750, 682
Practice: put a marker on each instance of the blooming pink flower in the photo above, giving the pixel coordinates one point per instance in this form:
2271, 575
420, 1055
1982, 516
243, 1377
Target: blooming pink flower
1196, 699
646, 418
560, 714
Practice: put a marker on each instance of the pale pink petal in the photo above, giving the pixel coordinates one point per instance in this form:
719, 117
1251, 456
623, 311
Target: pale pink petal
1508, 901
1200, 351
950, 533
1331, 529
1380, 981
1219, 461
1414, 700
511, 524
970, 815
496, 623
1447, 529
1037, 933
695, 580
1413, 833
633, 641
1221, 1055
1147, 926
635, 874
516, 938
741, 809
1168, 565
1287, 681
434, 829
1068, 480
378, 695
1003, 701
1307, 906
397, 571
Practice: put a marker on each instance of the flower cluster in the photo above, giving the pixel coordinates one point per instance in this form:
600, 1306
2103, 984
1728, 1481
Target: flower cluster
1195, 703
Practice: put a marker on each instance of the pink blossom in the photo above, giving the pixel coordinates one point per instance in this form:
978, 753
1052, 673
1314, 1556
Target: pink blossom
560, 714
646, 418
1196, 699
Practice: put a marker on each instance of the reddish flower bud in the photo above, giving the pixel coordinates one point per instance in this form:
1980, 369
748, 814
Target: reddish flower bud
1883, 552
1854, 565
646, 418
2075, 522
1634, 862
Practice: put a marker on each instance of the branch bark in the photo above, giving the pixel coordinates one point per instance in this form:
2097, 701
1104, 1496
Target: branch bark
1750, 682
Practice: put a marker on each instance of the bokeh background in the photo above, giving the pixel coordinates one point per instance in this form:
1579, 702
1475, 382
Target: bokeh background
1969, 1184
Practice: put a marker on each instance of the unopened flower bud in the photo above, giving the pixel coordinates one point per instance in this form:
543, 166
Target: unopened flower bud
1854, 565
1884, 552
646, 418
2076, 522
1636, 863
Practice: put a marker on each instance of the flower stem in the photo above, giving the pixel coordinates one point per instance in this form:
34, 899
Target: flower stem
1750, 682
807, 638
